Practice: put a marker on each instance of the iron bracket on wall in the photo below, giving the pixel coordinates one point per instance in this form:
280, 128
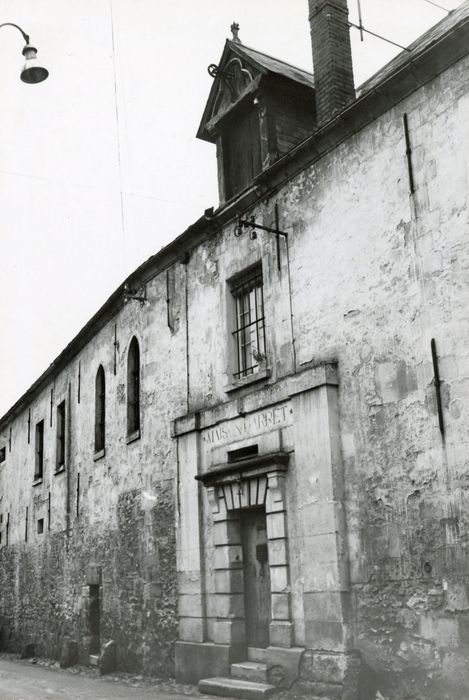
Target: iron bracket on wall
408, 152
437, 382
134, 295
251, 224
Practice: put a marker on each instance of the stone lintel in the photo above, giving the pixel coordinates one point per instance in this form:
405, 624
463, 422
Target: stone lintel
260, 464
284, 389
93, 575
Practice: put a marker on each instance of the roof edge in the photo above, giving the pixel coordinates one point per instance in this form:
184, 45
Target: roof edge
352, 119
165, 257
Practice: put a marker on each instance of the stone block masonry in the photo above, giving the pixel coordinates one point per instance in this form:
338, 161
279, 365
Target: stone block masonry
137, 595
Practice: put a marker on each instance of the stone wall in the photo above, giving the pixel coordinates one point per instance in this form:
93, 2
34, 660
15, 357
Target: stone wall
108, 518
369, 276
48, 588
375, 274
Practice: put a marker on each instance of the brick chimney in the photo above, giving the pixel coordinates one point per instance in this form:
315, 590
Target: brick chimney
332, 56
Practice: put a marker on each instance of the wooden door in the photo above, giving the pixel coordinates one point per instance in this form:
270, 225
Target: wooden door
256, 576
94, 620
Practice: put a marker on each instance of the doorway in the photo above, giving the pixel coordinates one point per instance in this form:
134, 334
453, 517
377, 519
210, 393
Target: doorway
94, 619
257, 599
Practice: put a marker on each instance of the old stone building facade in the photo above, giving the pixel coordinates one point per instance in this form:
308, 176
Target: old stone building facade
258, 446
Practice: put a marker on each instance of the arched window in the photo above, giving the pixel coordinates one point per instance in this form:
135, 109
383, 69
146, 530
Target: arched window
133, 387
100, 411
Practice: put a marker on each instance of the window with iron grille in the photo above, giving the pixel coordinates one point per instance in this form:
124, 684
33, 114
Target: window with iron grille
39, 464
249, 333
60, 453
100, 411
133, 388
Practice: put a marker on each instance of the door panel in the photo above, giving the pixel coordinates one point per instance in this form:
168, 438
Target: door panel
256, 576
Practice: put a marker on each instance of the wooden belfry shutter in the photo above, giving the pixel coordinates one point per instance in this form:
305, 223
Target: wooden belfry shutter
242, 152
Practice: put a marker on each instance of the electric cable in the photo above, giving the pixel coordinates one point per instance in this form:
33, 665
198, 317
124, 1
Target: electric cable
435, 4
118, 136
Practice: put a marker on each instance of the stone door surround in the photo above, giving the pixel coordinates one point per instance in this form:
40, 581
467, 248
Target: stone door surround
254, 481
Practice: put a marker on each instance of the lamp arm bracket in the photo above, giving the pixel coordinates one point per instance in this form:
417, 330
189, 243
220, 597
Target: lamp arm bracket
10, 24
132, 295
251, 224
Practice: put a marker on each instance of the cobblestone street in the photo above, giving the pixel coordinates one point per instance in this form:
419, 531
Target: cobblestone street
44, 680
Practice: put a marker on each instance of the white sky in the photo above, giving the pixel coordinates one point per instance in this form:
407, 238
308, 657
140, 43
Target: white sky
63, 248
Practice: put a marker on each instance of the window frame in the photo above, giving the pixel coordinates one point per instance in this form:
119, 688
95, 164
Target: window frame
100, 413
133, 390
39, 451
61, 432
250, 334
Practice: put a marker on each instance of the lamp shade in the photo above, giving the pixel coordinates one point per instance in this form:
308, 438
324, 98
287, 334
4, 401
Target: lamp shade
33, 71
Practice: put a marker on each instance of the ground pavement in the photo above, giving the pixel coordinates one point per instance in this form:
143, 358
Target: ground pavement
45, 680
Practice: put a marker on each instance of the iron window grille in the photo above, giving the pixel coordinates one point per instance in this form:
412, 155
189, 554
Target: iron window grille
249, 335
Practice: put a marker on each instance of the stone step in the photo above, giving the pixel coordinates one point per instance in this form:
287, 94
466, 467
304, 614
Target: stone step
250, 671
235, 688
93, 659
257, 654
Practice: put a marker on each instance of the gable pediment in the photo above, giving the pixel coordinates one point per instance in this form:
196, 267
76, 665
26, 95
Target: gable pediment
234, 77
258, 109
238, 76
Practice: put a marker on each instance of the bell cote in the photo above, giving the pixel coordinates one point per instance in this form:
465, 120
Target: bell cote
258, 109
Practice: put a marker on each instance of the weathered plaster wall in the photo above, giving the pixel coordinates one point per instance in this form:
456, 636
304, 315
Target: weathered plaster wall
387, 273
375, 275
119, 531
370, 276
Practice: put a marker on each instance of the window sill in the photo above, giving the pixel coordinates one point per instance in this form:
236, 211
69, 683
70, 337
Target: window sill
99, 454
37, 481
59, 470
247, 381
133, 436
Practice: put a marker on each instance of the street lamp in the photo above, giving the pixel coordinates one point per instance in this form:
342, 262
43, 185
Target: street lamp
33, 71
